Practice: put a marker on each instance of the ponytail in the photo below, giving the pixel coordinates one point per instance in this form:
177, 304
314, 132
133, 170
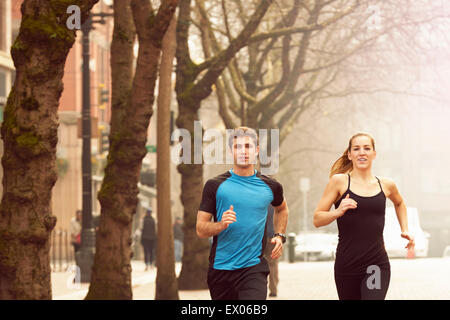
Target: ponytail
344, 164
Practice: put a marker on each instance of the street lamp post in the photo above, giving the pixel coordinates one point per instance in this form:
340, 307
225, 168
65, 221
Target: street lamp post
85, 256
304, 188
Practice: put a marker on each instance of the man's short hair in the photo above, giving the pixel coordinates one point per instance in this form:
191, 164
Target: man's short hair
243, 132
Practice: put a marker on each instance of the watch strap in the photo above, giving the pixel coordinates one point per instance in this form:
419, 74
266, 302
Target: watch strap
283, 237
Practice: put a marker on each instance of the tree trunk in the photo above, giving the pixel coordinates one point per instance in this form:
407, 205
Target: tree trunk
29, 132
166, 279
110, 278
195, 250
111, 272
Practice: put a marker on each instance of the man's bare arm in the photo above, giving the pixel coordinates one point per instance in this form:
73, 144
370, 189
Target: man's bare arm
207, 228
280, 219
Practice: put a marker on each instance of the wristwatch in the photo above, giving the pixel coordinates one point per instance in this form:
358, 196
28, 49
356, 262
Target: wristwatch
283, 237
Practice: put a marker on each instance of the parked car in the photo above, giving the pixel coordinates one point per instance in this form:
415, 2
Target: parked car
446, 253
316, 245
394, 244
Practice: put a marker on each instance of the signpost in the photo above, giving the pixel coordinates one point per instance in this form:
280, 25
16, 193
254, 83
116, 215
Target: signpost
151, 148
304, 188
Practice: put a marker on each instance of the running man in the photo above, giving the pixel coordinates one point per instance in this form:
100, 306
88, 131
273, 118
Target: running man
237, 202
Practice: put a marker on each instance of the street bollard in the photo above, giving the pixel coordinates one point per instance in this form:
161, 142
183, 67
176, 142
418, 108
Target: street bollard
291, 247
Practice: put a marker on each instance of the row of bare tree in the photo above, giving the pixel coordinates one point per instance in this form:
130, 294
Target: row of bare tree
268, 62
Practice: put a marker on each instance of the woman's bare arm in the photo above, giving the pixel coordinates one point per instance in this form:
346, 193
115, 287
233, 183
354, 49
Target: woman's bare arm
322, 215
400, 210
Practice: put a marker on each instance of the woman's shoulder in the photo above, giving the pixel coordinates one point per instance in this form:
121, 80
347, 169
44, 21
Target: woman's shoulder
339, 178
339, 181
386, 180
388, 183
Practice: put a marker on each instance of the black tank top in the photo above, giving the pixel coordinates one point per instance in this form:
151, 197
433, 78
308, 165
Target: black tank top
361, 241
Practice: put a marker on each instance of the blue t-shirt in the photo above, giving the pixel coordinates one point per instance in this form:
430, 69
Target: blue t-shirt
242, 244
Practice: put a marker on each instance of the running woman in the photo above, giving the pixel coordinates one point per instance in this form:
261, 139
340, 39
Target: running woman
362, 268
233, 210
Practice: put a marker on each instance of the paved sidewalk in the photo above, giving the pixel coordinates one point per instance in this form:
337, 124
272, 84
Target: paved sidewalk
63, 287
424, 279
143, 285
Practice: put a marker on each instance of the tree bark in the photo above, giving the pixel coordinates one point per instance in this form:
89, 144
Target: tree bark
29, 132
111, 272
166, 279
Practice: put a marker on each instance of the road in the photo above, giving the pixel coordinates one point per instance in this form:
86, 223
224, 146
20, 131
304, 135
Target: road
421, 278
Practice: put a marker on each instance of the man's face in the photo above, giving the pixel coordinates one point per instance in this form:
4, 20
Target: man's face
244, 151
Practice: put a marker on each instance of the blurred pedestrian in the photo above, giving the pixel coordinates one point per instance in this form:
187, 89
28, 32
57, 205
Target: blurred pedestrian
148, 239
362, 268
75, 231
273, 263
178, 236
234, 211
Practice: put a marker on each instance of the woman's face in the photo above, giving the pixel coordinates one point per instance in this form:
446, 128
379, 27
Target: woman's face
362, 153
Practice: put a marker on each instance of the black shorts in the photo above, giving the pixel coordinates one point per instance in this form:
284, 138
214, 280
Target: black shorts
241, 284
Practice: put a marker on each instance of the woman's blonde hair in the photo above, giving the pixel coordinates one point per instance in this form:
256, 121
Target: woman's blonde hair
343, 164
